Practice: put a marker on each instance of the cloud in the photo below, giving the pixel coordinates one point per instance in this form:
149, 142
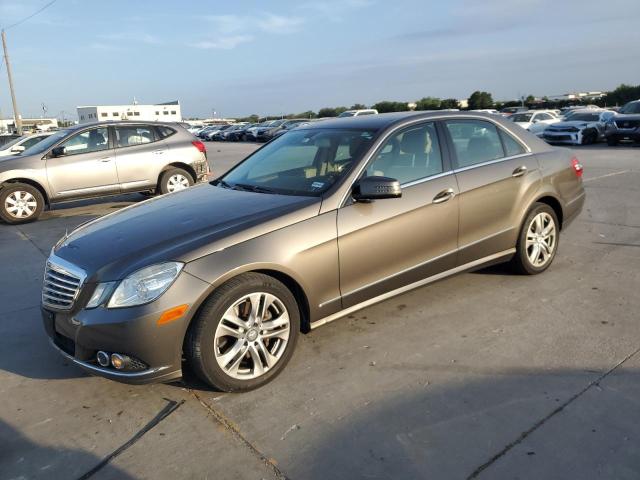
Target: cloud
222, 43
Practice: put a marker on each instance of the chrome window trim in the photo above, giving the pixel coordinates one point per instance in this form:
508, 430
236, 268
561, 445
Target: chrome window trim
367, 158
491, 162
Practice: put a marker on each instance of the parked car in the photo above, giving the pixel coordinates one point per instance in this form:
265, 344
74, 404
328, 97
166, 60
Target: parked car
534, 120
624, 125
581, 128
98, 159
20, 144
358, 113
319, 223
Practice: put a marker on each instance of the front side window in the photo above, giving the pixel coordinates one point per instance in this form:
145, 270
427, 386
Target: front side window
409, 155
130, 136
89, 141
302, 162
474, 141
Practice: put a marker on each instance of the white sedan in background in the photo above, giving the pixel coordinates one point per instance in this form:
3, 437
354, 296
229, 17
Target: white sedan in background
20, 144
534, 120
580, 128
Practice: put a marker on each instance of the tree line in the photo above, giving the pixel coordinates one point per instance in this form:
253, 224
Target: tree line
477, 100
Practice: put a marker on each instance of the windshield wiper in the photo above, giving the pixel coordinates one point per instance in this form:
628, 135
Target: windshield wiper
252, 188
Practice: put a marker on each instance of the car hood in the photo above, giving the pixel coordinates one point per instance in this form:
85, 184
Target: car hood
182, 226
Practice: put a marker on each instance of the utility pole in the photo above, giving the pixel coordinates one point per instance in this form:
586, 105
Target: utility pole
16, 113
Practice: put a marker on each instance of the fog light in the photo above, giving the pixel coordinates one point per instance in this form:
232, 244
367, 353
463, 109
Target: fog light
103, 358
119, 361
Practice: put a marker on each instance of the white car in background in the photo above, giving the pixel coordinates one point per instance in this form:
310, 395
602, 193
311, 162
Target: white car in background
20, 144
582, 127
536, 121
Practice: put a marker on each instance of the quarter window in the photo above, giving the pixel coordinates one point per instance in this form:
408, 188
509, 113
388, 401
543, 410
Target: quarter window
89, 141
474, 141
130, 136
409, 155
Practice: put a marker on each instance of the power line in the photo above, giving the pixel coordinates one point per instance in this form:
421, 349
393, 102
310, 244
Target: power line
20, 22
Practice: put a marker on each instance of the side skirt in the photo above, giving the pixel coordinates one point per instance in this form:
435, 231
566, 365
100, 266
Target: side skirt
491, 259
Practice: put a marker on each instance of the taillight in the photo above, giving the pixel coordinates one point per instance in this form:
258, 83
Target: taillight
577, 167
200, 146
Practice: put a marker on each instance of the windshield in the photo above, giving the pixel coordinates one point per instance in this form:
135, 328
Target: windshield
520, 117
302, 162
347, 114
585, 117
48, 142
631, 107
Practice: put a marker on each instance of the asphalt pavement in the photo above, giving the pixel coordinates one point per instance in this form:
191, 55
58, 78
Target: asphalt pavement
484, 375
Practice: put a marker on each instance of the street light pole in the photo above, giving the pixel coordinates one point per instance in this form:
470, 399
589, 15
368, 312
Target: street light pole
16, 114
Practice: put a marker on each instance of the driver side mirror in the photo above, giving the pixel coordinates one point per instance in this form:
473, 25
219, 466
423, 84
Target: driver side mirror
58, 152
375, 188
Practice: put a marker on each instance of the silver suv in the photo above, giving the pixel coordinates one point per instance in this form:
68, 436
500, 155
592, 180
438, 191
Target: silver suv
99, 159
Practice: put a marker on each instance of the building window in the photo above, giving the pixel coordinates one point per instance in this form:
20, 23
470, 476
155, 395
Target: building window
173, 112
103, 114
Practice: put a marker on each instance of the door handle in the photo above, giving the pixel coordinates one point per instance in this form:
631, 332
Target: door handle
520, 171
444, 195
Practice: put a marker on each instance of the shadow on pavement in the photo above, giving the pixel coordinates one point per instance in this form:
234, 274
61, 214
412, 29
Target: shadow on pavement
42, 460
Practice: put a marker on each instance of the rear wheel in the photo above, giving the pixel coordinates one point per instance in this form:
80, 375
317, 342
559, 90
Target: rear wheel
244, 334
20, 203
175, 180
538, 241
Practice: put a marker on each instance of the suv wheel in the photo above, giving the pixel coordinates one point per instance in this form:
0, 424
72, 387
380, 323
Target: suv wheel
175, 180
244, 334
538, 241
20, 203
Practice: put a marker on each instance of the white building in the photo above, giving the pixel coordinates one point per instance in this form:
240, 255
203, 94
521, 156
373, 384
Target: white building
166, 112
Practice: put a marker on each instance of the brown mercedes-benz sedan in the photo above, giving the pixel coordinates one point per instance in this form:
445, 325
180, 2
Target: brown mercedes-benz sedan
322, 221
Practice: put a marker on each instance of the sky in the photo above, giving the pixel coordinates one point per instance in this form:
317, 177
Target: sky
286, 56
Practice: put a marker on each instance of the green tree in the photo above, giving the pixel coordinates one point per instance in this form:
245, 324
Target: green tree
479, 100
428, 103
386, 107
449, 103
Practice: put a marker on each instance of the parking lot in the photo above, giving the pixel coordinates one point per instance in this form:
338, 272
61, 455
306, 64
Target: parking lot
483, 375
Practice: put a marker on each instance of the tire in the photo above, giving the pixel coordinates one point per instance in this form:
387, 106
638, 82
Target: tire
226, 350
612, 141
20, 203
523, 262
174, 180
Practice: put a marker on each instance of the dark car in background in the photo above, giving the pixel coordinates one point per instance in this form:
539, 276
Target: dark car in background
624, 125
317, 224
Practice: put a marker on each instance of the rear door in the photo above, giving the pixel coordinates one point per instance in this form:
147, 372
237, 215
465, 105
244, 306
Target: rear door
86, 168
388, 244
140, 156
496, 175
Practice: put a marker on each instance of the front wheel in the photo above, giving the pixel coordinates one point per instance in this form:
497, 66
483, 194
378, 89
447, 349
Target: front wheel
244, 334
20, 203
175, 180
538, 241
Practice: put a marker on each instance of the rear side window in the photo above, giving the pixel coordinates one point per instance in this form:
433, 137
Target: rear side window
165, 132
475, 141
511, 145
127, 136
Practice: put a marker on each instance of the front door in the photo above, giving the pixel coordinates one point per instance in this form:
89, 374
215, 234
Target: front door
87, 166
140, 156
387, 244
496, 175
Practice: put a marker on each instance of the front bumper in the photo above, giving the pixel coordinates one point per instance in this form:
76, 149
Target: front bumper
79, 334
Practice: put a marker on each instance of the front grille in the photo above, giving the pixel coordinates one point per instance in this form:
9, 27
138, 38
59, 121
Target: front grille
60, 286
627, 123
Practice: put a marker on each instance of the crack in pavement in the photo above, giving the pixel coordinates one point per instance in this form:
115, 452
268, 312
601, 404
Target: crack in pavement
235, 432
542, 421
168, 409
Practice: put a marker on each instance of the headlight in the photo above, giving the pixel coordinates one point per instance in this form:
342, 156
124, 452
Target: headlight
145, 285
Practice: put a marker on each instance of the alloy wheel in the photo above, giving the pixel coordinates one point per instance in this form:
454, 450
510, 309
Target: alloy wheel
252, 336
20, 204
177, 182
541, 239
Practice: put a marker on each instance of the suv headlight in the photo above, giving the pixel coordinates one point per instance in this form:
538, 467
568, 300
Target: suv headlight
145, 285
